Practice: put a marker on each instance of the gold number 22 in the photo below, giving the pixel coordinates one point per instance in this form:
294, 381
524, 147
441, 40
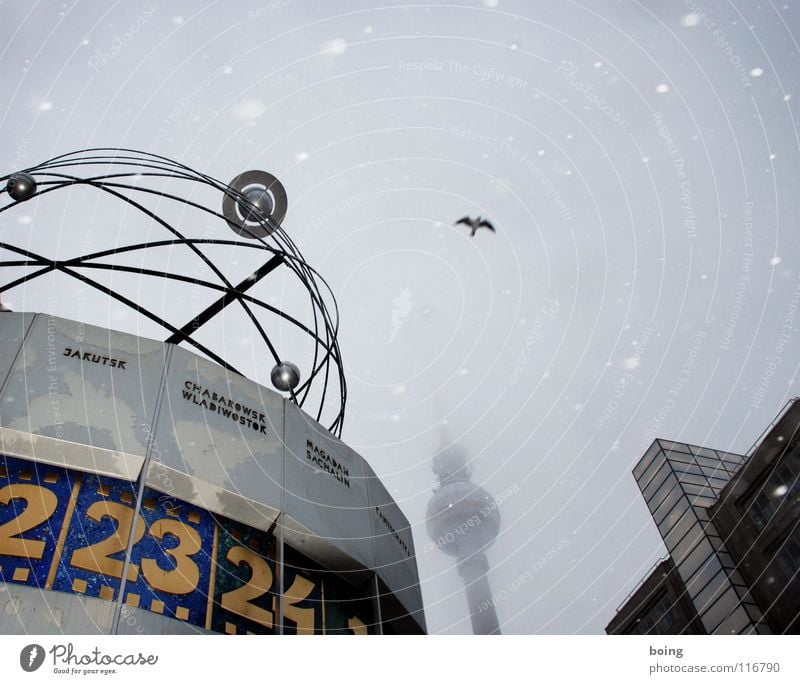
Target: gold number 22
41, 504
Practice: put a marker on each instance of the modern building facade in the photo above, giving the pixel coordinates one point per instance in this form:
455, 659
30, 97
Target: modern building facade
759, 518
145, 489
731, 526
658, 605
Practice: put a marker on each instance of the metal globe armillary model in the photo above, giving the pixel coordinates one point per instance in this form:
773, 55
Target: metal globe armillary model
170, 205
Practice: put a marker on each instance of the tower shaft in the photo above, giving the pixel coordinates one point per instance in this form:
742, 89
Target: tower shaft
473, 571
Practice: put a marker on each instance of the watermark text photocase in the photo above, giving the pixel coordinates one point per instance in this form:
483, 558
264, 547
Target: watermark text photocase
103, 56
548, 311
568, 71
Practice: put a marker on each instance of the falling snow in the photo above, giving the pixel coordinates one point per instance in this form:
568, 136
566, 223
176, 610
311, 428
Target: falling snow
248, 109
690, 20
337, 46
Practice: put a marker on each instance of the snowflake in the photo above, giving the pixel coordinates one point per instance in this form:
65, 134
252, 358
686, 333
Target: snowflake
690, 20
337, 46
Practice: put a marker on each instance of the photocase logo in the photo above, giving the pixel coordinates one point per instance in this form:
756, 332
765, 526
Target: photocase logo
402, 306
31, 658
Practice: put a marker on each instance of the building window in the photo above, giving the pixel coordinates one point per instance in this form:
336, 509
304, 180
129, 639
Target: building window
782, 484
659, 618
788, 558
761, 510
786, 482
794, 457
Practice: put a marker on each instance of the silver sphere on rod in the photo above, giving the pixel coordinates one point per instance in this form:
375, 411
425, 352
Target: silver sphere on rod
285, 376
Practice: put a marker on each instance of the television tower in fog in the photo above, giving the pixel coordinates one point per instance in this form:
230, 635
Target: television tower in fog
463, 521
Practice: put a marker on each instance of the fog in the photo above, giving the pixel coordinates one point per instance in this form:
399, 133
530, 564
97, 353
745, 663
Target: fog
637, 159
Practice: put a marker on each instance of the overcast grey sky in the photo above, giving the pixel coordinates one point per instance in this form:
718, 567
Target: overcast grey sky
638, 159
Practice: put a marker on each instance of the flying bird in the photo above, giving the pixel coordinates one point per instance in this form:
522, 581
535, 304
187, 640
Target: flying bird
474, 224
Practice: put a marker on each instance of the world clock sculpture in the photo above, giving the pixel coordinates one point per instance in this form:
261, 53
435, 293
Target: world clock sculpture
252, 205
156, 482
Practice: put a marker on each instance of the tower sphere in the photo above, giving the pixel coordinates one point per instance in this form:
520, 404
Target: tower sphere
462, 518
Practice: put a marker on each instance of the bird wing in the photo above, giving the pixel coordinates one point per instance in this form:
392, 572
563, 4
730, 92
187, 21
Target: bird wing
488, 225
466, 221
